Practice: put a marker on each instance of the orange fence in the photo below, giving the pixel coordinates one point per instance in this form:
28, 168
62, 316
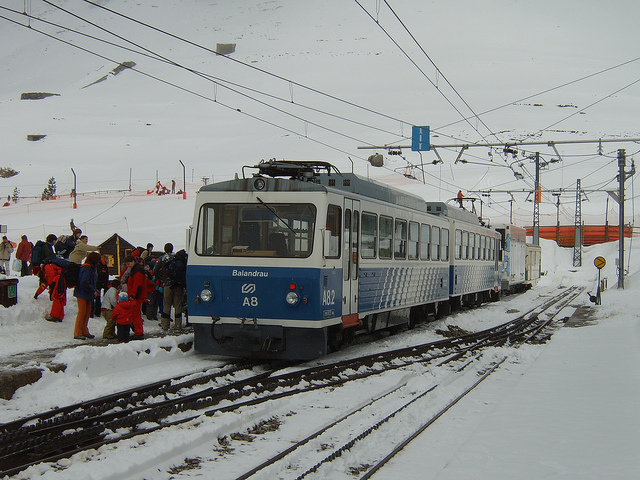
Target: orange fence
564, 235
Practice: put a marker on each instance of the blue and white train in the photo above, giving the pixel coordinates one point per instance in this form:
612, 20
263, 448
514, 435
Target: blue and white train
291, 262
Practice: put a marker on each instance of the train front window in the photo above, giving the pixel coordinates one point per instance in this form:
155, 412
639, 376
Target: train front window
258, 230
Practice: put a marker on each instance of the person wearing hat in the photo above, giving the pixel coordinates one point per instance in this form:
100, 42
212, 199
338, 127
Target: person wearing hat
123, 314
109, 302
146, 254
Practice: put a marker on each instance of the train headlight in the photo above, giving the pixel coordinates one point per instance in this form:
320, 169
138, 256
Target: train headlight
206, 295
259, 183
292, 298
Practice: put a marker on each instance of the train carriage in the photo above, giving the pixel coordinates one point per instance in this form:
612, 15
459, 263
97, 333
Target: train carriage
291, 262
474, 266
514, 253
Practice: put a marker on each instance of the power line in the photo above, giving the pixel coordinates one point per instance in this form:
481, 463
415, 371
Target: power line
419, 69
475, 115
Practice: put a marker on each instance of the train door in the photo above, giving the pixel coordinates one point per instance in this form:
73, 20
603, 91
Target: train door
351, 233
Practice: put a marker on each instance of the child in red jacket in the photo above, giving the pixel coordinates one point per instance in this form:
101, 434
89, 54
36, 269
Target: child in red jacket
123, 314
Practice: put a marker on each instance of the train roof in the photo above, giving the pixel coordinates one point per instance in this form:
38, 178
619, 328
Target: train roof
457, 213
309, 177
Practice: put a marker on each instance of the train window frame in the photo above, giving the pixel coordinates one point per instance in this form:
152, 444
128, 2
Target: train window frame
400, 239
444, 244
368, 235
334, 219
227, 230
425, 239
413, 241
435, 242
472, 246
384, 252
465, 245
346, 231
458, 240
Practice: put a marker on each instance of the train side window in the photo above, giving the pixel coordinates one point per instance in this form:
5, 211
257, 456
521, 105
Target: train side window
472, 247
435, 243
355, 230
444, 245
205, 235
346, 259
425, 236
334, 216
400, 239
458, 244
386, 237
478, 247
465, 245
414, 238
369, 235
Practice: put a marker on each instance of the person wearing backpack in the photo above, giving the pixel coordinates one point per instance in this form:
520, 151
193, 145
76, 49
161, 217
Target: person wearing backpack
84, 293
170, 269
66, 244
41, 253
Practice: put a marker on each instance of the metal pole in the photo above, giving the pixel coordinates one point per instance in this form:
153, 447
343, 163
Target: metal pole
577, 245
75, 189
536, 203
184, 180
622, 162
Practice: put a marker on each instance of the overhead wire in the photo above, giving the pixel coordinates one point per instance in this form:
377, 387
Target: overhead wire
394, 41
256, 68
440, 72
160, 57
184, 89
276, 76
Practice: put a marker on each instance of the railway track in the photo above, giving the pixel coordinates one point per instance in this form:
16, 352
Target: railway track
50, 436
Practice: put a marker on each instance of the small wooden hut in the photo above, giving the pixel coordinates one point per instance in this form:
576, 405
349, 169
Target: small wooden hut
113, 251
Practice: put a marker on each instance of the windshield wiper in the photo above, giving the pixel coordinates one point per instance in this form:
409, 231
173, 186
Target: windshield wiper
277, 216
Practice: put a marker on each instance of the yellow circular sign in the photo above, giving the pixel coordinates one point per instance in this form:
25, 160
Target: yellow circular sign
599, 262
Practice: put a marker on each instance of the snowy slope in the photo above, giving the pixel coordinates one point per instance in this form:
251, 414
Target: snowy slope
138, 124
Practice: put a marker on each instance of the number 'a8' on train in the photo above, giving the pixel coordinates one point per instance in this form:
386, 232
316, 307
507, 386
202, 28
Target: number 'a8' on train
293, 261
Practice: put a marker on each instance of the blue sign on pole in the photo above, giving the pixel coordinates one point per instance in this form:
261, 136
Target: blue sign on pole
420, 139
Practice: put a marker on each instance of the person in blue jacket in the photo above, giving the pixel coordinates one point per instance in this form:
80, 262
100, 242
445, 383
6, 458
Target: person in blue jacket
85, 292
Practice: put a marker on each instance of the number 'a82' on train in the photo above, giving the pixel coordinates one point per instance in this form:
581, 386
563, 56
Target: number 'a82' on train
293, 261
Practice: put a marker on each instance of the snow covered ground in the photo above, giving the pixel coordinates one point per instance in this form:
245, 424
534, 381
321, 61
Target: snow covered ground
560, 70
566, 409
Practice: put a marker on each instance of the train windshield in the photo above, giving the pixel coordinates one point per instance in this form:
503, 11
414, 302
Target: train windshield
258, 230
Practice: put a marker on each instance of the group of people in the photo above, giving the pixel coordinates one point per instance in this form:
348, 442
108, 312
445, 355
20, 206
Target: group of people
161, 189
22, 260
147, 284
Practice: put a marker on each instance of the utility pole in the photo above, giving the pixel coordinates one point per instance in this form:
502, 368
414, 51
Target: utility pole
622, 162
577, 244
557, 195
619, 197
536, 203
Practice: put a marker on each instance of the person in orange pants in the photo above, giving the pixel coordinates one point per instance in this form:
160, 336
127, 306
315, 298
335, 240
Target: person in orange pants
137, 291
50, 277
85, 293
